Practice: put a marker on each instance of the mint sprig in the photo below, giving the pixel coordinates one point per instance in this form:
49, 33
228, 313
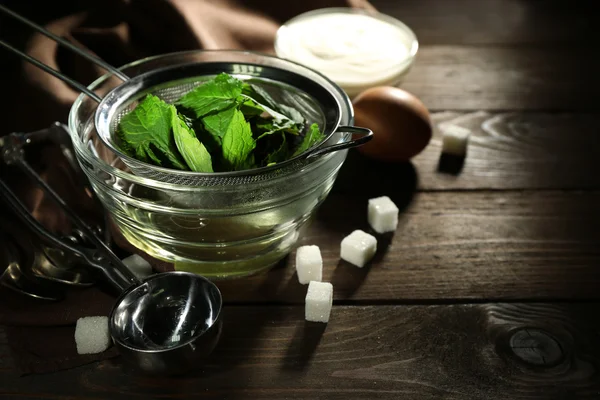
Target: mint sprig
222, 125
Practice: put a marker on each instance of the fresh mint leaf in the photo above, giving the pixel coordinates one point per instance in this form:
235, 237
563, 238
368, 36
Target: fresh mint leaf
210, 141
223, 125
258, 94
312, 137
276, 122
217, 124
194, 153
275, 127
276, 116
146, 133
261, 96
238, 143
280, 154
249, 163
251, 108
292, 113
211, 97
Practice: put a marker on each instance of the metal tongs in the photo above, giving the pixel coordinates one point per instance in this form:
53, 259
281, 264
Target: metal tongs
13, 147
100, 256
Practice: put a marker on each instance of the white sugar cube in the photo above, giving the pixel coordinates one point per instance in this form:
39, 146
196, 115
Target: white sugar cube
455, 140
383, 214
318, 302
136, 264
358, 248
309, 264
92, 335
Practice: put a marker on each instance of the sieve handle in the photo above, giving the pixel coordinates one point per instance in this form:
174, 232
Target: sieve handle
98, 61
51, 71
364, 135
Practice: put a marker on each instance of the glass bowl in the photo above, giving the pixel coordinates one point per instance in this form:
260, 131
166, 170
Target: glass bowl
219, 228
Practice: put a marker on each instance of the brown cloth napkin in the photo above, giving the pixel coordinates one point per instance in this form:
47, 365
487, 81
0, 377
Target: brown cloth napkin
41, 335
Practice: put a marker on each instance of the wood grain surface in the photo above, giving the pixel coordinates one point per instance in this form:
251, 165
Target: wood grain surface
495, 22
452, 246
475, 352
450, 306
504, 78
507, 150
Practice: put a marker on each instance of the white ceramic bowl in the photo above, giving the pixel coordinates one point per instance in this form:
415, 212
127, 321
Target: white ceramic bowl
355, 48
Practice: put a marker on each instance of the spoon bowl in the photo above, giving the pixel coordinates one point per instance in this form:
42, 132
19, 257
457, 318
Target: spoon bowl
168, 323
15, 276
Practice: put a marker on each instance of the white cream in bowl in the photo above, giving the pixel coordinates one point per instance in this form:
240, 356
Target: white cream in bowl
356, 49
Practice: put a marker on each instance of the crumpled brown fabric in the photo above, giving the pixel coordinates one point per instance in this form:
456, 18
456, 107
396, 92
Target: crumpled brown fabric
122, 31
118, 31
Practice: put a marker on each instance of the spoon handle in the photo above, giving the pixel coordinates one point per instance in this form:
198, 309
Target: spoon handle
83, 53
102, 257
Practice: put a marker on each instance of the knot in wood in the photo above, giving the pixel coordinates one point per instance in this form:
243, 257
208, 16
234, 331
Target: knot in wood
536, 347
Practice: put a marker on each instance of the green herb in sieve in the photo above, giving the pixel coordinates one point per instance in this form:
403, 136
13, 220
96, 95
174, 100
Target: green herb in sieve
222, 125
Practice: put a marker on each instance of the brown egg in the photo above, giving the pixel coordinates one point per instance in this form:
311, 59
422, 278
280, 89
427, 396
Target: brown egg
400, 123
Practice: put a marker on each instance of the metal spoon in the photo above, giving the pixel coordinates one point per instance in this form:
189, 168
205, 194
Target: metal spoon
48, 266
164, 324
14, 278
169, 323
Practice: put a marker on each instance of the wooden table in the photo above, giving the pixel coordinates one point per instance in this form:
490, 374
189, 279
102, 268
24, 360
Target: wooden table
489, 289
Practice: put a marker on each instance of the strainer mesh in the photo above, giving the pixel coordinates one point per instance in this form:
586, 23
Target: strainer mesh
170, 93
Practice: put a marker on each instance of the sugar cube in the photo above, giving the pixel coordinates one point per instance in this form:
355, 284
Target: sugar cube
358, 248
382, 214
92, 335
455, 140
318, 302
309, 264
136, 264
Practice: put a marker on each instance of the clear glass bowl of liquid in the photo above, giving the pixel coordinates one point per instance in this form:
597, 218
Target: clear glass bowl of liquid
220, 228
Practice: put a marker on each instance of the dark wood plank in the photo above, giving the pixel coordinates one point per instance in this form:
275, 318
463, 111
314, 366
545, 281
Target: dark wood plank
452, 246
508, 151
452, 352
504, 78
476, 22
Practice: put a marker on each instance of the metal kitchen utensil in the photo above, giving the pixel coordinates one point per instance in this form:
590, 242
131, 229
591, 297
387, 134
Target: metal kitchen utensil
14, 277
27, 264
47, 268
169, 323
29, 272
164, 324
317, 102
12, 147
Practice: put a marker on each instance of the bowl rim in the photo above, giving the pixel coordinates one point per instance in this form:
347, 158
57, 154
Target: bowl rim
414, 46
346, 110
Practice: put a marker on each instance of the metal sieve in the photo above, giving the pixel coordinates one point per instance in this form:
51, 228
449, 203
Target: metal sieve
319, 102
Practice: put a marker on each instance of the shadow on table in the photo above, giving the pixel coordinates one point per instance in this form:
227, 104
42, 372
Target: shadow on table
308, 335
359, 180
450, 164
365, 178
242, 328
303, 345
